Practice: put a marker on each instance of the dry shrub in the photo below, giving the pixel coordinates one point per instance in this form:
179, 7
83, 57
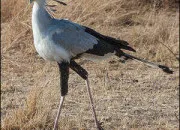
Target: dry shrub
31, 116
11, 8
16, 32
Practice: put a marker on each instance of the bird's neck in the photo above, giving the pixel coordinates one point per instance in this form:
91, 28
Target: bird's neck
40, 17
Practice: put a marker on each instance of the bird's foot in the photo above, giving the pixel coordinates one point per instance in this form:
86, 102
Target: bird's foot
100, 126
55, 128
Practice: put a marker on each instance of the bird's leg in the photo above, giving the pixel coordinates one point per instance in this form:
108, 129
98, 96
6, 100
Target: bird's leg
92, 104
79, 70
64, 75
84, 74
58, 113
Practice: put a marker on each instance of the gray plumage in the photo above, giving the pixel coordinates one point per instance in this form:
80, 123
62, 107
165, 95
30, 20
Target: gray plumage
60, 40
57, 39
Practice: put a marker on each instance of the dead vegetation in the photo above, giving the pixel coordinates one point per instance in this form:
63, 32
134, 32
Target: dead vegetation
127, 96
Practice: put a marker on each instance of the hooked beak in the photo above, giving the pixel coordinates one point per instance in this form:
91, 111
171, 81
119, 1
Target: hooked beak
31, 1
60, 2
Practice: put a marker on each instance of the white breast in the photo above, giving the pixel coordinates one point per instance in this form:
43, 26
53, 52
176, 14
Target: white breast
50, 51
44, 45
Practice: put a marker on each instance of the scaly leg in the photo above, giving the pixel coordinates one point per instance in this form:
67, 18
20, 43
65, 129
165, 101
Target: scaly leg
59, 112
83, 73
92, 104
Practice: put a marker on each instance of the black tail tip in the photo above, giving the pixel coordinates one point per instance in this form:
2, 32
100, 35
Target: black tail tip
131, 49
166, 69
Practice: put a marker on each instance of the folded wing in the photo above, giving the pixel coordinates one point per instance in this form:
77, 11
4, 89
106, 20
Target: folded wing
73, 38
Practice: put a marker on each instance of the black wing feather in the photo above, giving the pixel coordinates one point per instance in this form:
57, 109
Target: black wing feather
119, 43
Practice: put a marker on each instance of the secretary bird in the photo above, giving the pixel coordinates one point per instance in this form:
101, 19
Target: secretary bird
64, 41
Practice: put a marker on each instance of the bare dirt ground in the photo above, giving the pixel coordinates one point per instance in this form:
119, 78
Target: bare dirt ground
126, 96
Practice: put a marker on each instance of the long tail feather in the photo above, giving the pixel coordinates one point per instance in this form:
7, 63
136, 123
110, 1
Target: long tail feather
162, 67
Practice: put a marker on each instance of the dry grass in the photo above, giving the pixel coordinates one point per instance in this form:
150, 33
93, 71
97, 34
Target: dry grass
127, 96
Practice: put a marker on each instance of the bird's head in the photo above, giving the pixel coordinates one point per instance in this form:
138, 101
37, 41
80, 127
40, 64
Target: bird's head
60, 2
42, 1
30, 1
